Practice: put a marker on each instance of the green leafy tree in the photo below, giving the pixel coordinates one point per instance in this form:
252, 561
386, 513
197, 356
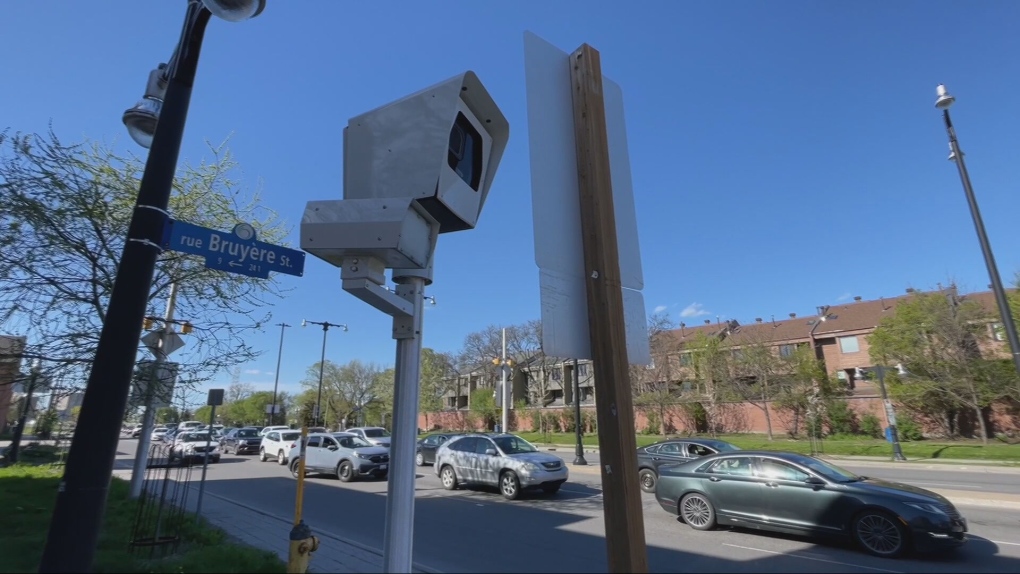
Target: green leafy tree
66, 210
437, 372
710, 361
347, 390
656, 386
936, 337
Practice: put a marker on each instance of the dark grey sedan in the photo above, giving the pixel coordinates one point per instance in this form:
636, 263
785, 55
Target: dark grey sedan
674, 451
798, 494
427, 447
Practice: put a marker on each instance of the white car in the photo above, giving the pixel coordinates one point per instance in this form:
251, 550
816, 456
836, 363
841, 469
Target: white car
158, 434
271, 428
277, 443
503, 460
191, 446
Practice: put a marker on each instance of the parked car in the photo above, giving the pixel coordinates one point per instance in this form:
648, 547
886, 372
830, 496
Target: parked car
136, 431
191, 446
264, 430
674, 451
427, 447
375, 435
241, 441
799, 494
158, 434
503, 460
276, 444
189, 425
346, 455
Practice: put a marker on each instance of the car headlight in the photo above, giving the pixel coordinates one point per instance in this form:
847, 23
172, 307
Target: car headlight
362, 455
532, 467
927, 507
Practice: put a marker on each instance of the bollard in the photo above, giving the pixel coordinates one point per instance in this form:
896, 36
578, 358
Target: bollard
302, 544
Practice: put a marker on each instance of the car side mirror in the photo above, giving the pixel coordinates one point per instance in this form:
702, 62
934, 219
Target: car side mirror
814, 480
490, 451
332, 447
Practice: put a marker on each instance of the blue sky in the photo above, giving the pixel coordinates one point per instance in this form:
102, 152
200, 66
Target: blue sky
785, 154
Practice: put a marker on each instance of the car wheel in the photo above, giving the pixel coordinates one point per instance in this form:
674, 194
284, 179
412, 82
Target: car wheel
262, 455
879, 534
280, 459
295, 466
345, 471
647, 479
510, 485
551, 488
419, 459
697, 512
448, 477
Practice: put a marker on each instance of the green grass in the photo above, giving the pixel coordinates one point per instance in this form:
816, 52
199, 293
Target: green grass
27, 496
926, 449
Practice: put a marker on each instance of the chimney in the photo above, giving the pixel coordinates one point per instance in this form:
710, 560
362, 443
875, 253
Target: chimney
910, 289
757, 319
793, 315
708, 321
857, 298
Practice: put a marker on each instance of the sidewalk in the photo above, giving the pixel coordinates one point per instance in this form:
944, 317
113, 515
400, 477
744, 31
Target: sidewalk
270, 532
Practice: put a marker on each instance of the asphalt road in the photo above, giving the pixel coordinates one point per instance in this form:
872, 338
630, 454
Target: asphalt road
479, 531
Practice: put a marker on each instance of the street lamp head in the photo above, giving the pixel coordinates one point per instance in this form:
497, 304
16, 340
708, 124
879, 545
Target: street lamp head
945, 99
304, 323
235, 10
141, 119
344, 327
431, 300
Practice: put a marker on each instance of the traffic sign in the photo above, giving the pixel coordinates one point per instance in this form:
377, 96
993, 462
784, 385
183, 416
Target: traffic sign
172, 343
235, 252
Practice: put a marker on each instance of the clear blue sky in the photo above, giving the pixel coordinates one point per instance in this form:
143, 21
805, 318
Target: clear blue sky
785, 154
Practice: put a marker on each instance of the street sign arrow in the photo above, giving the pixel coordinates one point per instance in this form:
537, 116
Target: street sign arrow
234, 252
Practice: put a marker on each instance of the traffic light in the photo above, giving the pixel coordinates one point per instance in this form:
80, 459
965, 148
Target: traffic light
147, 323
186, 328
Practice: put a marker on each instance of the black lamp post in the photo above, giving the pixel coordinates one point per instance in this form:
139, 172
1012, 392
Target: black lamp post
81, 498
944, 101
890, 415
579, 459
322, 362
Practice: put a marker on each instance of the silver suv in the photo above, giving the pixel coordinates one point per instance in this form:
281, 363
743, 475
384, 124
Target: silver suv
504, 460
375, 435
346, 455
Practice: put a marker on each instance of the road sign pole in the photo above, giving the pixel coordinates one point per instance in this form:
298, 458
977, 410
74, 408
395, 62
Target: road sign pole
81, 498
625, 530
398, 533
215, 399
149, 416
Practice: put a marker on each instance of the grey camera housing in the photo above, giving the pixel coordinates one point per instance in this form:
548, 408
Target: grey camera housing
408, 148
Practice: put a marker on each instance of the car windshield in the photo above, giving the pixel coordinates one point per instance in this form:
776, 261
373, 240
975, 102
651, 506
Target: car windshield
514, 445
723, 446
247, 433
376, 433
826, 470
195, 437
358, 442
290, 436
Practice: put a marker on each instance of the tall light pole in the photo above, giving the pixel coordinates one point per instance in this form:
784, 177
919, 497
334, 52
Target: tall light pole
890, 415
322, 362
276, 382
579, 459
505, 396
944, 101
81, 498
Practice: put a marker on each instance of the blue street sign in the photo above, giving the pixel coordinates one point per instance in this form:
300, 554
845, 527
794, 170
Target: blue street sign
234, 252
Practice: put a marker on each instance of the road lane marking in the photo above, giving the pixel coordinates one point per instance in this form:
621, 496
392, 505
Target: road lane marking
946, 484
813, 558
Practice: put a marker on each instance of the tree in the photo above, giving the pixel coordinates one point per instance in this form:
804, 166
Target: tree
656, 386
711, 369
803, 391
936, 337
523, 347
238, 392
346, 389
66, 209
437, 370
755, 365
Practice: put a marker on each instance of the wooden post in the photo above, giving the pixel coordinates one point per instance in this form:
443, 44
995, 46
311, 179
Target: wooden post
624, 519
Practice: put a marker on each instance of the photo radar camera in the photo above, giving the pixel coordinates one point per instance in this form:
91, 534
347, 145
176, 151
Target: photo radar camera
414, 168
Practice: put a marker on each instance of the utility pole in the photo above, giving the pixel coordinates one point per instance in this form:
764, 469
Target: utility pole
149, 417
276, 383
19, 431
504, 420
624, 520
579, 459
322, 362
890, 416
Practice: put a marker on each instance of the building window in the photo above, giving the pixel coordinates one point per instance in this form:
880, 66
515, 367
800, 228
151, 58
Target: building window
556, 374
582, 370
787, 350
998, 333
685, 359
849, 345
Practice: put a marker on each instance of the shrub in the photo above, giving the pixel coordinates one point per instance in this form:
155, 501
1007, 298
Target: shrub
842, 418
654, 424
908, 429
871, 426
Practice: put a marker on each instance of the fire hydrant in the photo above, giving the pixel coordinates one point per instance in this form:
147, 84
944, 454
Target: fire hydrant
302, 544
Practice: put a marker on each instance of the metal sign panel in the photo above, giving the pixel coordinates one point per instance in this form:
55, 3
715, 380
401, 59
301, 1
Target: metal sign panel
234, 252
556, 208
161, 385
173, 342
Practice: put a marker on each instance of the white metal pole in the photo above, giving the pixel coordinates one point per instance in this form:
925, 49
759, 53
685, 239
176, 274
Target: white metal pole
149, 417
398, 534
506, 392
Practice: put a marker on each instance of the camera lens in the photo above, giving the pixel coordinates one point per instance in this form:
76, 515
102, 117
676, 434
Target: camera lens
465, 151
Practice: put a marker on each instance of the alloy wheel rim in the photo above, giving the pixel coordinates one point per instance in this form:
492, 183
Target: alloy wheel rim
696, 512
647, 481
345, 470
879, 534
508, 485
447, 477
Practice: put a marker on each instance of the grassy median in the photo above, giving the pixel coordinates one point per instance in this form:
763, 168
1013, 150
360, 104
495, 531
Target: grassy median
840, 446
27, 496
